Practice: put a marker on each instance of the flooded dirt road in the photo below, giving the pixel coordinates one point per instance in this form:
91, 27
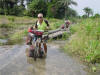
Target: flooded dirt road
14, 61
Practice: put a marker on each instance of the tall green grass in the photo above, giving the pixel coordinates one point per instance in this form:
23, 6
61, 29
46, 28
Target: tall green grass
16, 20
17, 37
18, 26
85, 41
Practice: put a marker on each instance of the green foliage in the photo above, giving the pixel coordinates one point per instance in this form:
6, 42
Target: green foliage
94, 69
17, 11
74, 20
50, 9
71, 13
6, 26
1, 11
55, 10
1, 43
55, 24
86, 40
17, 37
84, 16
51, 12
17, 29
10, 7
88, 11
11, 19
37, 6
65, 36
66, 4
58, 11
73, 29
96, 16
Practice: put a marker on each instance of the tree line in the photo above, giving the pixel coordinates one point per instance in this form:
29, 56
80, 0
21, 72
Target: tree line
50, 8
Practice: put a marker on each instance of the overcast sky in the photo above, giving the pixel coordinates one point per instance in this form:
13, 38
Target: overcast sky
93, 4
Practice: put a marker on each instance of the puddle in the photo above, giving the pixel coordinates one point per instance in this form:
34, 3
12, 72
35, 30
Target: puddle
16, 62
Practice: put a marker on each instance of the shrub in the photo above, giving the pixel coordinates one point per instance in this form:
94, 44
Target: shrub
1, 11
51, 11
11, 19
97, 16
37, 6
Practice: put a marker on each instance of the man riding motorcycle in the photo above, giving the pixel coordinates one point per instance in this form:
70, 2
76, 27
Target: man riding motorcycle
41, 24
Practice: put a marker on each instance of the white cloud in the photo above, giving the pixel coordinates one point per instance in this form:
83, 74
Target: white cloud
93, 4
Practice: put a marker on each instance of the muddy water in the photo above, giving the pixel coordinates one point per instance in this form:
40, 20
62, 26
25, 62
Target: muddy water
3, 40
14, 61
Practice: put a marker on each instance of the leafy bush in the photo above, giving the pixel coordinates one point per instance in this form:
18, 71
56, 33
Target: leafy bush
17, 11
11, 19
97, 16
65, 36
37, 6
1, 11
55, 10
51, 11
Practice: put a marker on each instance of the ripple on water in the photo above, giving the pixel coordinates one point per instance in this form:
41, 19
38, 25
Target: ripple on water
3, 40
56, 63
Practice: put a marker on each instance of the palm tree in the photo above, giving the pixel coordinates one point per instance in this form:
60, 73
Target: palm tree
66, 4
88, 11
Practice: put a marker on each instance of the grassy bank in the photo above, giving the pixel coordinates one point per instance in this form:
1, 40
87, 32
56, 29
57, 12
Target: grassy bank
14, 27
17, 27
18, 36
85, 41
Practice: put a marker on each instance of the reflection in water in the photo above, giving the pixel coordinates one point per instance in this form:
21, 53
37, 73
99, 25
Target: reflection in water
37, 67
56, 63
16, 62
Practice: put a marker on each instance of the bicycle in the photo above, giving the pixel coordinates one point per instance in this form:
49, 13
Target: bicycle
38, 41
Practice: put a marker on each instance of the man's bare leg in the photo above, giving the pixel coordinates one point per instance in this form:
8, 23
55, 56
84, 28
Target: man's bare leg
45, 47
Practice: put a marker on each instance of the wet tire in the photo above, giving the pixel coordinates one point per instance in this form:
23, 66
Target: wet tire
31, 53
41, 54
35, 54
